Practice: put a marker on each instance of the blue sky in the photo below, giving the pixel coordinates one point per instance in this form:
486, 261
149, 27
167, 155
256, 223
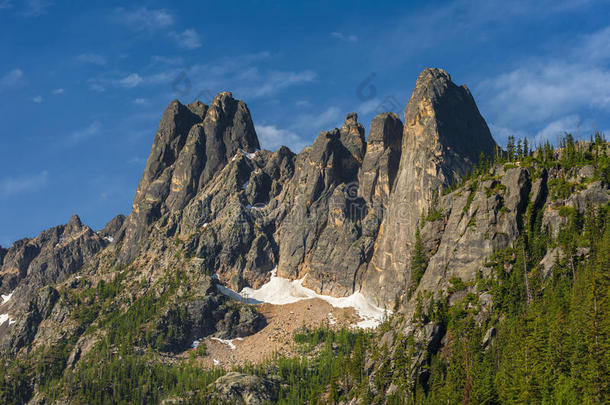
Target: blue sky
83, 84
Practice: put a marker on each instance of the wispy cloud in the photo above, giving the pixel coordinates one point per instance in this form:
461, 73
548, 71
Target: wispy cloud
143, 18
90, 131
188, 39
343, 37
11, 78
130, 81
272, 138
554, 130
92, 58
311, 123
10, 186
59, 91
5, 4
272, 82
37, 99
548, 91
140, 101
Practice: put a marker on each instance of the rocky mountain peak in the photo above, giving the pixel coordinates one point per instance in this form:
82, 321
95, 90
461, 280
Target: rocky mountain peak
445, 115
352, 136
74, 225
443, 136
193, 143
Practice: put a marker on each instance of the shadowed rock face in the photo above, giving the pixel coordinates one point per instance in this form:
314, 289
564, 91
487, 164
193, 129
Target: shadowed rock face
380, 165
443, 136
192, 143
31, 264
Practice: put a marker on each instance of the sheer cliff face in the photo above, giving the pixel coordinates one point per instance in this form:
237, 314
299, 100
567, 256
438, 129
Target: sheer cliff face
443, 136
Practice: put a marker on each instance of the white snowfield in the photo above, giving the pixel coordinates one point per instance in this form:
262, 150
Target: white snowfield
6, 317
6, 298
281, 291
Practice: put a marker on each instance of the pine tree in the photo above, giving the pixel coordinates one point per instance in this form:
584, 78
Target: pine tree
419, 262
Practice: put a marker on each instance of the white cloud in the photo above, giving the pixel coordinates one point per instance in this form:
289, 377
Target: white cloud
545, 92
140, 101
130, 81
90, 131
272, 82
272, 138
595, 47
59, 91
501, 134
369, 106
312, 123
547, 89
10, 186
143, 18
92, 58
342, 37
11, 78
37, 99
188, 39
5, 4
556, 129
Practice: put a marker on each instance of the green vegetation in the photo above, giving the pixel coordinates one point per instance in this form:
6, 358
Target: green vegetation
419, 262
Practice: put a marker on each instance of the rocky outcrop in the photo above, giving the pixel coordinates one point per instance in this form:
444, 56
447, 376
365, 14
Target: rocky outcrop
323, 225
33, 264
192, 143
380, 164
24, 330
113, 228
239, 388
50, 257
443, 136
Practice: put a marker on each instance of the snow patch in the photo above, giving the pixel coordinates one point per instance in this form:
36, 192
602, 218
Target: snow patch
6, 317
245, 185
216, 362
6, 297
109, 238
281, 291
248, 155
228, 342
195, 343
205, 225
331, 319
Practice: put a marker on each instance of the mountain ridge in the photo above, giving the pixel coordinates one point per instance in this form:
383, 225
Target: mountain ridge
395, 216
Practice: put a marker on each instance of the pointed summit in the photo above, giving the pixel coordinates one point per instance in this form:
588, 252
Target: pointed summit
443, 136
192, 143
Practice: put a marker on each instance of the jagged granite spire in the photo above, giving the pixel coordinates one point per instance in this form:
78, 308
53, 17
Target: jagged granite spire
443, 135
192, 143
380, 164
